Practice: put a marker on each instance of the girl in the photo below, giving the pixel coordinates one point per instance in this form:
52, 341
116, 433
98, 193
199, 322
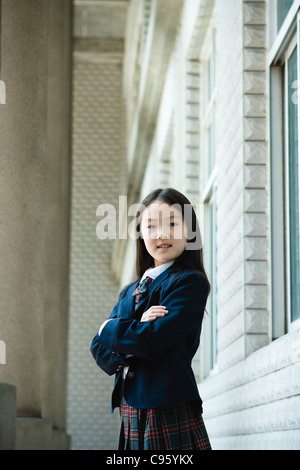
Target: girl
154, 330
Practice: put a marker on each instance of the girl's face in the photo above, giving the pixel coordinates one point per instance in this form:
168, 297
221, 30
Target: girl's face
163, 231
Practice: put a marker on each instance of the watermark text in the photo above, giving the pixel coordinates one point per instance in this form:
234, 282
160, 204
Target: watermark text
127, 225
2, 92
2, 353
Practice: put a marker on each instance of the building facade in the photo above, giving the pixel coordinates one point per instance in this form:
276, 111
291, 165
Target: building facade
212, 110
100, 103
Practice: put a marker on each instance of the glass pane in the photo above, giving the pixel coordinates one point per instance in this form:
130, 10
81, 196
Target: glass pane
294, 184
283, 7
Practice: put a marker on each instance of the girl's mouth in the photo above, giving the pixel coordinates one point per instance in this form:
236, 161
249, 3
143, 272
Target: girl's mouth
164, 246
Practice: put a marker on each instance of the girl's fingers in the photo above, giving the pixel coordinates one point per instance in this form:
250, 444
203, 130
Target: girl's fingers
158, 308
153, 313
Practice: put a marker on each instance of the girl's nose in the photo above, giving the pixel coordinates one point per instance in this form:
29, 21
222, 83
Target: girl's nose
162, 234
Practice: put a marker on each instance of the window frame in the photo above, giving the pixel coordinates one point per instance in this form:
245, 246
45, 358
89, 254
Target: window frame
291, 324
210, 360
279, 39
208, 63
288, 37
209, 196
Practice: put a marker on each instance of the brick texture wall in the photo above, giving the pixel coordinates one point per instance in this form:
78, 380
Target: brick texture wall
97, 176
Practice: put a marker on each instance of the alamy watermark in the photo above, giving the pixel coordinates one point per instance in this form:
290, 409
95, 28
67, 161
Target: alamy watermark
295, 94
2, 353
107, 227
2, 92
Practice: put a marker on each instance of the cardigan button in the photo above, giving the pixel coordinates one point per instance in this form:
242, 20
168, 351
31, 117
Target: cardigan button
131, 374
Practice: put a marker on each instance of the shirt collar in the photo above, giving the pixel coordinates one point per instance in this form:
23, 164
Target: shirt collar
156, 271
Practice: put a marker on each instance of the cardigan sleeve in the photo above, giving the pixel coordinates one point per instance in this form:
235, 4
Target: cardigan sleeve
185, 302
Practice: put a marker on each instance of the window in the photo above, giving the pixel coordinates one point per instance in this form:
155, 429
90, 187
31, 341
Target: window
292, 182
208, 138
285, 217
279, 12
283, 7
210, 320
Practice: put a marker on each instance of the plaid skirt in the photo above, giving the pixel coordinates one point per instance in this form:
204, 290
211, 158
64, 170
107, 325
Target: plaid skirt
173, 427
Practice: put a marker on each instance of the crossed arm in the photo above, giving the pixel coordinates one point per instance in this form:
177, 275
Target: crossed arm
160, 327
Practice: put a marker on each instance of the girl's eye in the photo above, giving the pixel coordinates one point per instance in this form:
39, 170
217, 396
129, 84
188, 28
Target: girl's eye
173, 224
151, 226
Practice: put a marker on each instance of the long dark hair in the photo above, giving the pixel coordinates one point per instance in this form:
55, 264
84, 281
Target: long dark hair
192, 257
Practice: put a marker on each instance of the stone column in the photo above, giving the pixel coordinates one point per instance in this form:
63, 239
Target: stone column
7, 417
23, 124
57, 210
34, 208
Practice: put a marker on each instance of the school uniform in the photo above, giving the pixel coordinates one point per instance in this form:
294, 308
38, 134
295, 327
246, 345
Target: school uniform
159, 401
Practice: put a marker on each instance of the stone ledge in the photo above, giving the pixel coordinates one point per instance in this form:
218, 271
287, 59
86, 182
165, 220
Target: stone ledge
279, 415
60, 440
33, 433
277, 355
278, 440
38, 434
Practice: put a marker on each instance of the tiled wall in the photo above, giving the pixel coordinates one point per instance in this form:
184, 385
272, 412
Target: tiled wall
97, 176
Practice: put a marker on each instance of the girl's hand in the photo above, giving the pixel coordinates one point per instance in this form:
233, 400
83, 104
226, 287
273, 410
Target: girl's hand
153, 313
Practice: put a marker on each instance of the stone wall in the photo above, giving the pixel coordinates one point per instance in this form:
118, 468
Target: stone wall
97, 178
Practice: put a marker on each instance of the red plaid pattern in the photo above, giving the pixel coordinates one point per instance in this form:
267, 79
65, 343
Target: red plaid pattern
173, 427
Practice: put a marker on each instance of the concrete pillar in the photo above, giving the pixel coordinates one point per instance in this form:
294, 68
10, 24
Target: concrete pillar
23, 164
34, 207
57, 209
7, 417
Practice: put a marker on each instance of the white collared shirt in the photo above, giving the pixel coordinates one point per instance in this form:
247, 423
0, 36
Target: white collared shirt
154, 272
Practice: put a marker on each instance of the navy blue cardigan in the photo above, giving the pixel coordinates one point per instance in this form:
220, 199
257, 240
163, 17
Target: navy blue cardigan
160, 371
